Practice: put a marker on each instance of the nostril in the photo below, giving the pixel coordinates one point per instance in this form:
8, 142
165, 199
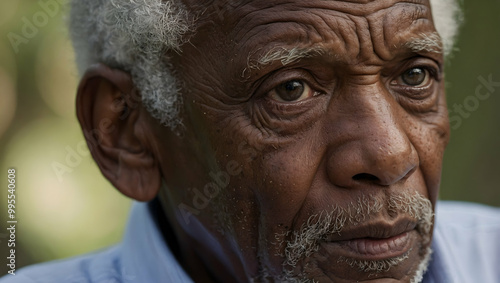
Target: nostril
365, 177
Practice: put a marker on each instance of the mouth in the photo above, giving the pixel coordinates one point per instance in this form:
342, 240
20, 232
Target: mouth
377, 241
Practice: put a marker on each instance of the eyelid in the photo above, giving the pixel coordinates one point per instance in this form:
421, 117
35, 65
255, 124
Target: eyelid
433, 72
399, 67
281, 76
430, 74
432, 66
273, 94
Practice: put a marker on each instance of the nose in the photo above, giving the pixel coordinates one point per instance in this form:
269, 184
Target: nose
373, 147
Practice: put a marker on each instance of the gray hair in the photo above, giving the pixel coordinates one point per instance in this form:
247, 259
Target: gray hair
135, 35
447, 17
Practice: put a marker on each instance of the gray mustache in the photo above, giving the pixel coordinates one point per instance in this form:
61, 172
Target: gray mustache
321, 226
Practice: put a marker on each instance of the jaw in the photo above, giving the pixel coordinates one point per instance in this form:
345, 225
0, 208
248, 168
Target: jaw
320, 267
341, 245
329, 268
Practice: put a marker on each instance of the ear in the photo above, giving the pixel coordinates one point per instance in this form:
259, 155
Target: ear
115, 126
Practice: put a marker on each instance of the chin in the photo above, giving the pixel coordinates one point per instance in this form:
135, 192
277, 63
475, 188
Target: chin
409, 267
390, 243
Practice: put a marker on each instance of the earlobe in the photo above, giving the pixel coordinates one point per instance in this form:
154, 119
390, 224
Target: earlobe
111, 115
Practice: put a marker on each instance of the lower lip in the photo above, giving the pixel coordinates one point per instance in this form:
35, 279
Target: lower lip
376, 249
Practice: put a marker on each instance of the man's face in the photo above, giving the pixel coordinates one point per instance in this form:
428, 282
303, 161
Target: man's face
313, 140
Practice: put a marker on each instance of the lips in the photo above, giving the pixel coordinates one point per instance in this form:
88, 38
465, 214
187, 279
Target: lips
375, 241
376, 247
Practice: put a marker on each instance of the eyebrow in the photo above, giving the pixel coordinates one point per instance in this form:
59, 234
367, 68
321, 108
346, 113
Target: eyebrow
426, 42
284, 55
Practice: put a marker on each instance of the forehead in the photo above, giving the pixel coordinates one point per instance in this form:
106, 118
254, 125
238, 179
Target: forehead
352, 28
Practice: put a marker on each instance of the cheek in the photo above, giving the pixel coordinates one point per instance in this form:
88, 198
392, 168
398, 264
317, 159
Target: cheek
276, 171
286, 179
276, 181
271, 184
430, 140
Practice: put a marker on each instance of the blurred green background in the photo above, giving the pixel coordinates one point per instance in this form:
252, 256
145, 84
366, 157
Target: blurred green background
65, 207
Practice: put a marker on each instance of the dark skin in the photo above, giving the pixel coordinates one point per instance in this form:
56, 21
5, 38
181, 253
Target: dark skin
364, 116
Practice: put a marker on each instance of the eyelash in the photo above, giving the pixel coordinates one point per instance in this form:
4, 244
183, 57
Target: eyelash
301, 75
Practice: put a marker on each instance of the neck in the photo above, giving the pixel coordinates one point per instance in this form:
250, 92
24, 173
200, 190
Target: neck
185, 250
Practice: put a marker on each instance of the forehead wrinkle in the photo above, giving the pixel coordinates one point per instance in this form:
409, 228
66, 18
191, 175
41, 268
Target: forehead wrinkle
251, 13
303, 40
337, 29
415, 15
254, 31
251, 16
245, 12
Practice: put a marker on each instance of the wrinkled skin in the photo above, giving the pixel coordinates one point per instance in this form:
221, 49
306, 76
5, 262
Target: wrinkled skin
363, 131
358, 129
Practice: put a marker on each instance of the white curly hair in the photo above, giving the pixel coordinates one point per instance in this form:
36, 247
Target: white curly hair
134, 35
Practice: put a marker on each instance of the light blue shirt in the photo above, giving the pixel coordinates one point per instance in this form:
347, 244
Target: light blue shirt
466, 247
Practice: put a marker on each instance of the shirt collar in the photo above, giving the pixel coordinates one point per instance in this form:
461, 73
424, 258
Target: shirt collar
145, 255
438, 270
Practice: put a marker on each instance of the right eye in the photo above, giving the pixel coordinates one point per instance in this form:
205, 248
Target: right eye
291, 91
415, 77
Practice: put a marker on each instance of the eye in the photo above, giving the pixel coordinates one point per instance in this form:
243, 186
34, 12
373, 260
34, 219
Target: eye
414, 77
291, 91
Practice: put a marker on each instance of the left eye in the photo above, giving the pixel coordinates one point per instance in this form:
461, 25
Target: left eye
291, 91
414, 77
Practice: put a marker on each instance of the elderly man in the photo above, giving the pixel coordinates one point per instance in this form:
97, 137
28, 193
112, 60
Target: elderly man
274, 141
